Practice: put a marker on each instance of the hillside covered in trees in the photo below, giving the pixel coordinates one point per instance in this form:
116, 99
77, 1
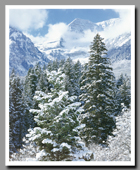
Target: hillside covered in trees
66, 111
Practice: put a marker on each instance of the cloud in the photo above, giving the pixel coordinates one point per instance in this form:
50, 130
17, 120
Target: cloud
74, 40
56, 31
36, 40
125, 16
25, 19
120, 26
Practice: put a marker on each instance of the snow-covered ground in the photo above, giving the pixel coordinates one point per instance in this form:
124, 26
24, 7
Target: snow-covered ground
119, 147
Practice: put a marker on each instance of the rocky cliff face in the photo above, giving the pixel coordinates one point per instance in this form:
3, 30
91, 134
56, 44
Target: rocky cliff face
22, 52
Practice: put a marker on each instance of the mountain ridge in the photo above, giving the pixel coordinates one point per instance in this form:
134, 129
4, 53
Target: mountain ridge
119, 48
22, 52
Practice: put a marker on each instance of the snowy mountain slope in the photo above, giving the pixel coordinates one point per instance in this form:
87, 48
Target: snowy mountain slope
119, 51
108, 23
22, 52
80, 25
119, 48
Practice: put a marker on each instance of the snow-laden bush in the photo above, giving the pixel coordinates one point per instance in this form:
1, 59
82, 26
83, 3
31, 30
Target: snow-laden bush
27, 153
56, 134
119, 148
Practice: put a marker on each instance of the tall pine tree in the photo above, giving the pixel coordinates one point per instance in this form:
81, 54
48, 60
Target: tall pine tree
17, 122
77, 76
98, 95
124, 89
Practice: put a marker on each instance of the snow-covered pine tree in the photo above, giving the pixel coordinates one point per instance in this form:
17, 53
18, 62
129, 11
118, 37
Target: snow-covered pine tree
61, 64
98, 95
72, 77
49, 66
31, 82
30, 85
120, 81
118, 102
56, 133
83, 80
17, 123
37, 70
124, 89
55, 65
77, 75
69, 79
12, 148
43, 84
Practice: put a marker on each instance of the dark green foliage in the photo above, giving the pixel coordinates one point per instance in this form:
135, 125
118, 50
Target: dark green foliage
17, 124
43, 84
21, 95
124, 89
69, 79
62, 63
118, 102
77, 75
120, 81
47, 101
57, 119
98, 95
36, 80
53, 65
73, 73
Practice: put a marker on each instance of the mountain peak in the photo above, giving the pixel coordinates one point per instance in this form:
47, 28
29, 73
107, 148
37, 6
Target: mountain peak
80, 25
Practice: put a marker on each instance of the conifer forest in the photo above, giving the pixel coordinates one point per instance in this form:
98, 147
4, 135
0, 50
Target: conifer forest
68, 111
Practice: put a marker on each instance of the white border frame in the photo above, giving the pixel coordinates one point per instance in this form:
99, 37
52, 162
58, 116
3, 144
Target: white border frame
68, 163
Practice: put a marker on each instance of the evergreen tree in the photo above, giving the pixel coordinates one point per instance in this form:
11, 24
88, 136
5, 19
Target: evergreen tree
50, 66
43, 84
77, 76
36, 79
16, 112
57, 120
44, 67
83, 81
123, 84
37, 70
98, 95
12, 148
30, 85
31, 82
120, 81
55, 65
61, 64
72, 73
118, 102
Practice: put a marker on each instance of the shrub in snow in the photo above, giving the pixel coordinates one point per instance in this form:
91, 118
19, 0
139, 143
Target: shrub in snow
119, 146
27, 153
